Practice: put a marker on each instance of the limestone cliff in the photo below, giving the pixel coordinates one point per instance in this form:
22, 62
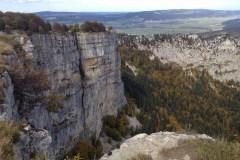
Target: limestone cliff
218, 54
85, 69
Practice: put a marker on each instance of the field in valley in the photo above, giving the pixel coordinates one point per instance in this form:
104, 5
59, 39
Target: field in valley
153, 22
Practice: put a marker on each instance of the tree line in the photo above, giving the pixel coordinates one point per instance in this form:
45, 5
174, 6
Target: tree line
31, 23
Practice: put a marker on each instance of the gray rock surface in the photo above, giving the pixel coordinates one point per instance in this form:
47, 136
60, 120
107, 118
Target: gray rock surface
6, 106
151, 145
103, 87
218, 54
33, 143
85, 69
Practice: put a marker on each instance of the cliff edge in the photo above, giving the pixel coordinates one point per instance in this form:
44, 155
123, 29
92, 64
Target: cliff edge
84, 70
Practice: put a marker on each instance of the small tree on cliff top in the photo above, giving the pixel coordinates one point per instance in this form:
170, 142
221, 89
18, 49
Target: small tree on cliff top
93, 27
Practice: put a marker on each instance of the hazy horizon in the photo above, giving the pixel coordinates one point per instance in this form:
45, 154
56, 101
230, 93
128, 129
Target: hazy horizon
114, 5
122, 11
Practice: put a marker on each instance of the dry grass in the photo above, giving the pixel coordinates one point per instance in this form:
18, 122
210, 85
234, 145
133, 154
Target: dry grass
54, 102
11, 40
200, 149
2, 95
9, 133
77, 157
5, 48
217, 150
141, 157
3, 67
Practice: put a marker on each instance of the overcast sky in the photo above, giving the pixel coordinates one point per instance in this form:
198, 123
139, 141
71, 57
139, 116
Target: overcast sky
114, 5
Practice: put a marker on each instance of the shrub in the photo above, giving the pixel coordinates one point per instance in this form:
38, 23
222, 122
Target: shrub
86, 151
74, 28
29, 82
54, 102
115, 127
20, 21
41, 157
10, 40
29, 85
77, 157
93, 27
57, 27
2, 98
3, 66
130, 108
9, 133
96, 143
113, 133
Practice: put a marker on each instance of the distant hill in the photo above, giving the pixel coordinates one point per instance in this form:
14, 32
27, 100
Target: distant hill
231, 24
149, 22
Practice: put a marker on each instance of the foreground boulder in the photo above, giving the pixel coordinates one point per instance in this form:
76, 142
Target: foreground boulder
151, 145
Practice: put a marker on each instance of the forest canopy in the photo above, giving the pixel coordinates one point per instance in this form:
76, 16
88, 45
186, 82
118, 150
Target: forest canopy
173, 99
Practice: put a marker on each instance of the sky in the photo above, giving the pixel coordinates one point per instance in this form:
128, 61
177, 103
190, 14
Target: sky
114, 5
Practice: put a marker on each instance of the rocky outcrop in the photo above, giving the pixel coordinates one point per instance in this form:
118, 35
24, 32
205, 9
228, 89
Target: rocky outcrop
151, 145
85, 70
218, 54
34, 143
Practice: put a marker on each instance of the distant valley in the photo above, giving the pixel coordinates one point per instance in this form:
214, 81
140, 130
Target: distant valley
152, 22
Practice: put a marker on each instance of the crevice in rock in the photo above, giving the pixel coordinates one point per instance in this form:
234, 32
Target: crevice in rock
84, 117
82, 74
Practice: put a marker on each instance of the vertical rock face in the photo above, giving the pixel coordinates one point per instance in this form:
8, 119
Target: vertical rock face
103, 88
6, 97
85, 69
59, 57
